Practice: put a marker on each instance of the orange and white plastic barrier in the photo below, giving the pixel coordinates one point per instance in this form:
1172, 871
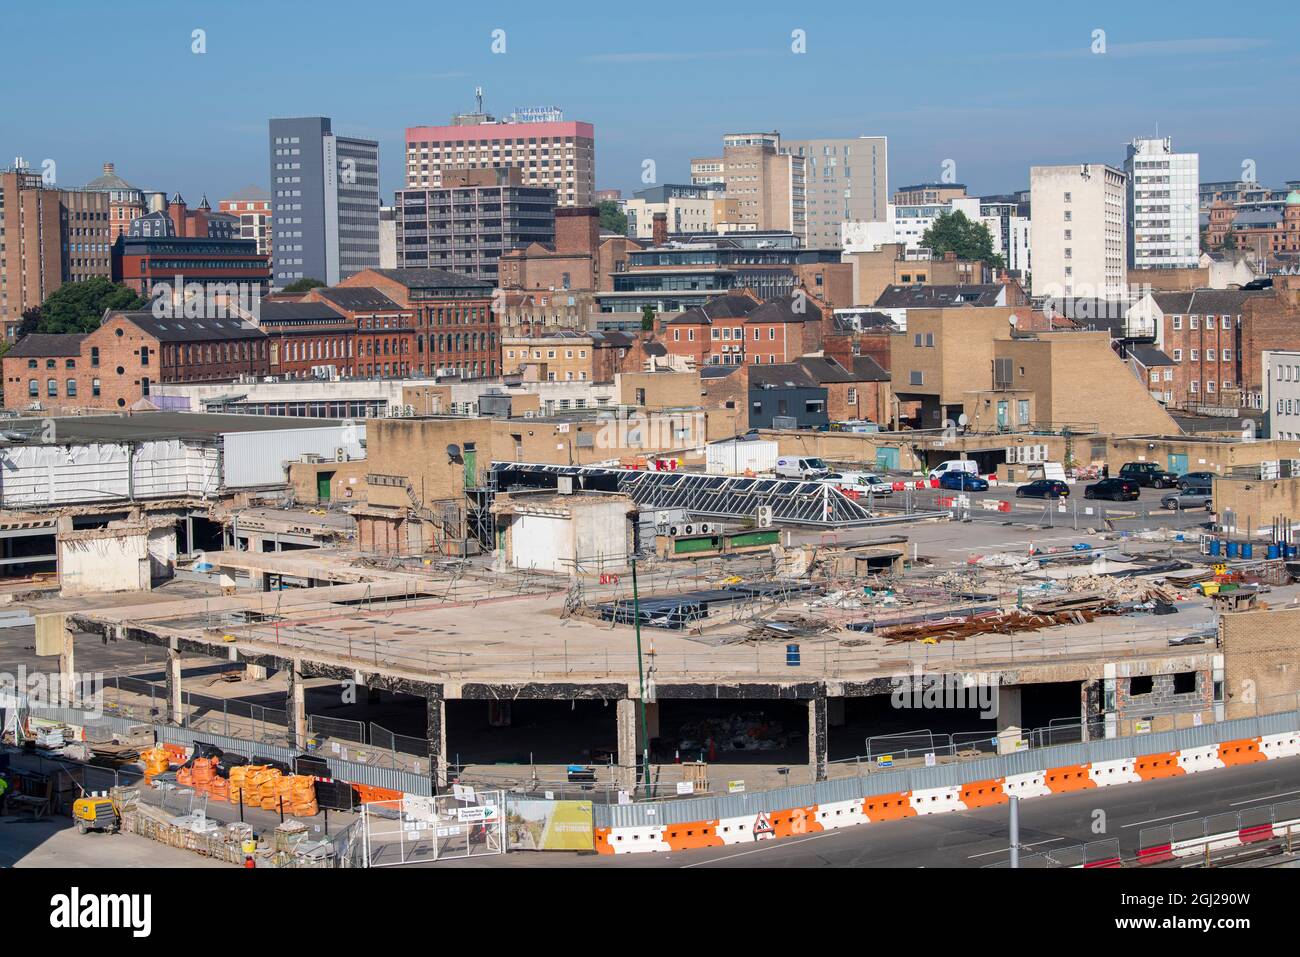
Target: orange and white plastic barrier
964, 797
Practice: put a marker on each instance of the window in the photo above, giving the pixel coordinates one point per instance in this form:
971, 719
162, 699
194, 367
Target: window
52, 387
1196, 355
94, 357
1227, 355
852, 396
1178, 355
1140, 684
94, 387
1178, 322
72, 388
33, 388
1185, 682
1193, 322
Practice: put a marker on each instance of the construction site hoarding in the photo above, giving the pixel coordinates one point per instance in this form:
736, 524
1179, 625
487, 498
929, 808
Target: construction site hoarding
549, 825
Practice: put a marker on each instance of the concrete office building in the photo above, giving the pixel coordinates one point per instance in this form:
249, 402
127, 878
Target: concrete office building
549, 151
1080, 231
687, 208
766, 181
1281, 382
48, 236
325, 197
252, 207
476, 215
1163, 206
845, 180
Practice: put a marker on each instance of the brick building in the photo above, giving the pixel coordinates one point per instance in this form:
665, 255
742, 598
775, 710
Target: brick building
141, 263
50, 236
735, 329
252, 207
116, 365
456, 329
387, 342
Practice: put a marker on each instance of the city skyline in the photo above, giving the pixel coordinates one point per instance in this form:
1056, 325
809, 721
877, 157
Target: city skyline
668, 98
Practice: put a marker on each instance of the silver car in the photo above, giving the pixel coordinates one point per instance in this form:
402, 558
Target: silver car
1191, 497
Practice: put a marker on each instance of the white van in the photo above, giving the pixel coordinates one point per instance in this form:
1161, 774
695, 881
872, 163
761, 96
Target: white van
800, 467
954, 465
860, 482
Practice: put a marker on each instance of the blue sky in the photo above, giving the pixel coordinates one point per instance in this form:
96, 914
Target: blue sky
995, 88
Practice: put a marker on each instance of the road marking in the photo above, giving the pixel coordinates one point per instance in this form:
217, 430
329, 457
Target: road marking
1007, 850
1257, 800
1156, 820
771, 846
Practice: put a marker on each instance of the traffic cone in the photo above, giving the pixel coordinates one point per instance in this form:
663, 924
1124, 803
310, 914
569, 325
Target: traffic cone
677, 757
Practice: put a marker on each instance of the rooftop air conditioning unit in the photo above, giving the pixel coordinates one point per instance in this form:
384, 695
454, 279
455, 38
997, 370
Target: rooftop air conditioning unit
310, 458
765, 516
340, 455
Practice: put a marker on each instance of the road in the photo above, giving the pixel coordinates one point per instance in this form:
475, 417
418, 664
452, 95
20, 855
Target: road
979, 838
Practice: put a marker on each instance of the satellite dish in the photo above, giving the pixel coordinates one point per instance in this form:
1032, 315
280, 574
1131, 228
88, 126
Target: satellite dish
962, 419
453, 452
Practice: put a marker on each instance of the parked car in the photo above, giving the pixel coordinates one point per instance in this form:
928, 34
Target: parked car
1205, 479
1148, 475
1115, 489
1195, 496
1044, 488
963, 482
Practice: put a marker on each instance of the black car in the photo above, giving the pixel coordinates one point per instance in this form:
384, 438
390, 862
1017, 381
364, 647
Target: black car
1115, 489
1196, 479
1044, 488
1148, 475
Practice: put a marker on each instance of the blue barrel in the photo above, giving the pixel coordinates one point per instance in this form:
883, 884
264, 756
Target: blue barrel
792, 655
1232, 549
1247, 549
1290, 551
1216, 548
1274, 551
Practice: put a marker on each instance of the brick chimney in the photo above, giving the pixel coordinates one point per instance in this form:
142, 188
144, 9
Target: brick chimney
659, 229
577, 229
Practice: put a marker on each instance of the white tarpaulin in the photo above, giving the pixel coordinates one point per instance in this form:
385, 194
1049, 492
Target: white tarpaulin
45, 475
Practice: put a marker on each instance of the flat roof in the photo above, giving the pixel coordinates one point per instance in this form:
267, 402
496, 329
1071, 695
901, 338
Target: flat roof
145, 426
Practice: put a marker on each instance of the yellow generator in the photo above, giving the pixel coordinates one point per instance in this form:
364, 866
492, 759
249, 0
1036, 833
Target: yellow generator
93, 813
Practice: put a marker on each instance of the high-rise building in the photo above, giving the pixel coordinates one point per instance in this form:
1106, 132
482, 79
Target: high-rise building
325, 202
845, 180
1080, 231
549, 150
767, 182
1163, 206
466, 224
252, 207
48, 236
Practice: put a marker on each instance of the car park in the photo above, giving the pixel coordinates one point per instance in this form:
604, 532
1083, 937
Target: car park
1114, 489
1044, 488
963, 482
1196, 496
1148, 475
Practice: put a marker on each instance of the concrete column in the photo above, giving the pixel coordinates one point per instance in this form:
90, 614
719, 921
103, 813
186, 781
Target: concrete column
296, 706
1008, 708
628, 755
835, 712
67, 664
817, 736
437, 733
651, 724
174, 712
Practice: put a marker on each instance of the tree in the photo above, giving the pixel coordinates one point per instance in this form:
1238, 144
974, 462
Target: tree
78, 307
647, 318
302, 285
612, 218
954, 233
